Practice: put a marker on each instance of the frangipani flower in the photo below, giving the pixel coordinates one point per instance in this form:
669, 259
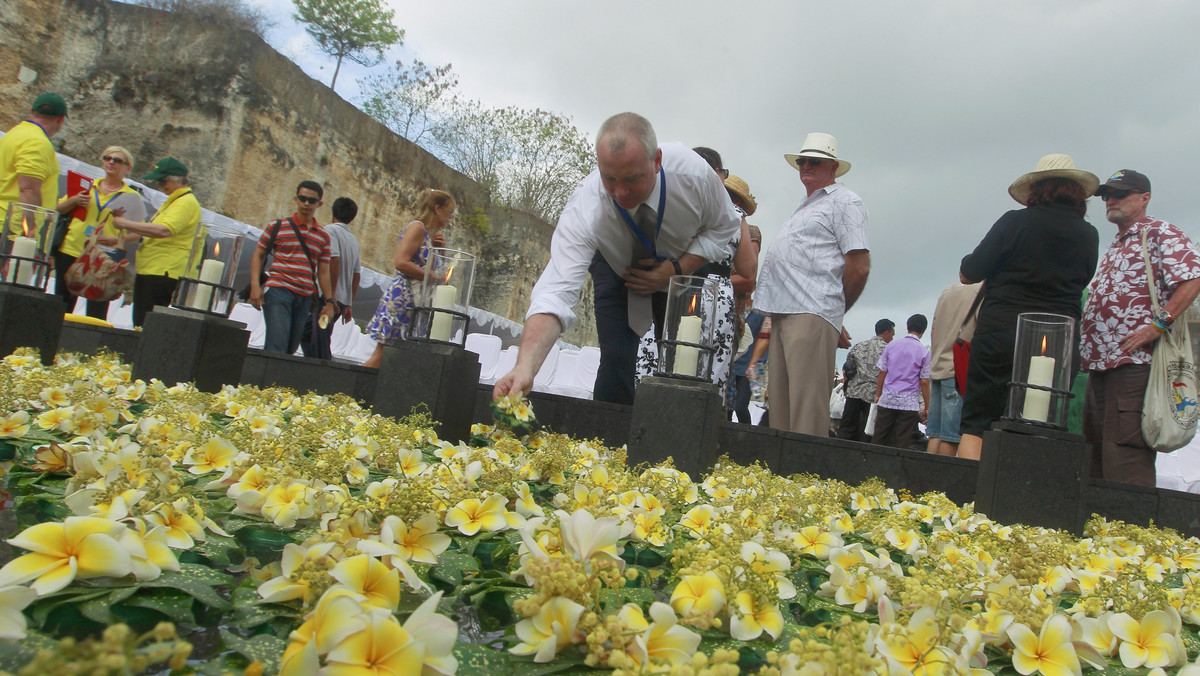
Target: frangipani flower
12, 621
382, 648
79, 547
749, 619
411, 462
1050, 652
584, 536
860, 588
14, 426
551, 630
470, 516
770, 562
815, 541
698, 521
436, 634
182, 530
52, 458
664, 640
916, 646
148, 551
526, 506
378, 584
284, 505
1153, 642
697, 594
214, 455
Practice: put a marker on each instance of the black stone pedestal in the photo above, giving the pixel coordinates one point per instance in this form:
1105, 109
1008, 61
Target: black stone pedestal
1035, 476
676, 418
30, 318
442, 377
182, 346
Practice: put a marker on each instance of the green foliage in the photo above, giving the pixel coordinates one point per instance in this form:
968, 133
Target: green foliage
413, 101
358, 30
231, 13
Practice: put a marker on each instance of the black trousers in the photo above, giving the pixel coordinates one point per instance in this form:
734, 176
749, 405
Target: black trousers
854, 420
741, 399
618, 342
148, 291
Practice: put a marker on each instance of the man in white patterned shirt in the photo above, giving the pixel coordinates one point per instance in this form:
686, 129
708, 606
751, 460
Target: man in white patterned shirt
812, 273
1118, 327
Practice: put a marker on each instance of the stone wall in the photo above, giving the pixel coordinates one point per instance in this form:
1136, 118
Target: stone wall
250, 125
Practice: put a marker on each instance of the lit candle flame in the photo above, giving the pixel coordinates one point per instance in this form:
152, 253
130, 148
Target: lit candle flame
692, 306
217, 249
449, 273
1043, 344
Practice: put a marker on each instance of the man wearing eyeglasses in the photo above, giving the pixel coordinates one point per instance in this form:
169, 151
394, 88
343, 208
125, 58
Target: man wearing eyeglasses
162, 257
300, 267
811, 275
1119, 329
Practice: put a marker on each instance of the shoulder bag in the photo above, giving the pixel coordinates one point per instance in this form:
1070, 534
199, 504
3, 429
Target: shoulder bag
1169, 409
96, 275
961, 350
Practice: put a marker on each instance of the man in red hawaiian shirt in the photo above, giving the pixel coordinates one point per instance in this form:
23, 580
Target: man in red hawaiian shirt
1118, 328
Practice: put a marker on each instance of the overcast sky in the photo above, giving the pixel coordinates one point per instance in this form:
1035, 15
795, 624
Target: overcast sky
938, 105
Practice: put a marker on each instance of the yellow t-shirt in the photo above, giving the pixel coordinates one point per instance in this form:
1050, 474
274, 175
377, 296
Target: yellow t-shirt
26, 150
78, 233
169, 255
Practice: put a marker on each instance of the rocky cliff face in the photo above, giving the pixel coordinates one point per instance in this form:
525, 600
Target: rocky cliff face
250, 125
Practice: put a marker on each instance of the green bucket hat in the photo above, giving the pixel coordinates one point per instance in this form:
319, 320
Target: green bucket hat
50, 104
167, 166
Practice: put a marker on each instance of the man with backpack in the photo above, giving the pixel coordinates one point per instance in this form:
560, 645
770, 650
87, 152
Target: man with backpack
300, 269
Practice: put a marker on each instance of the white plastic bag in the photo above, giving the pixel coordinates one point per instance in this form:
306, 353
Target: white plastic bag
870, 427
837, 403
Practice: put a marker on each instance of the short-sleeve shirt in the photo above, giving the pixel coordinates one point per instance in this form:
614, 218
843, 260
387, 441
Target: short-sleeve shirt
907, 363
1118, 301
168, 256
100, 206
866, 357
292, 269
344, 246
26, 150
949, 324
801, 272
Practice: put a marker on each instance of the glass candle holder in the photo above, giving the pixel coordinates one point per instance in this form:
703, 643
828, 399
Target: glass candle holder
441, 311
1040, 391
688, 345
25, 242
212, 266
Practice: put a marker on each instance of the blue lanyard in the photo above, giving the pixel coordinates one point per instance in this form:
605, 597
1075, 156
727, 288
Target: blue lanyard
39, 127
662, 205
101, 207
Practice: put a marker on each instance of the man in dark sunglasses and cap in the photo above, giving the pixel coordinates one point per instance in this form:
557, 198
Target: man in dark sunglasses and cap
1119, 328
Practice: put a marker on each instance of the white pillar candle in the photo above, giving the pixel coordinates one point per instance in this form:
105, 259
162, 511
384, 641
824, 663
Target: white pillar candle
1037, 402
210, 271
444, 298
21, 272
685, 356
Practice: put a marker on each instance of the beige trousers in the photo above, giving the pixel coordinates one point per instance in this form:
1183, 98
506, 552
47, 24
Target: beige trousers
802, 363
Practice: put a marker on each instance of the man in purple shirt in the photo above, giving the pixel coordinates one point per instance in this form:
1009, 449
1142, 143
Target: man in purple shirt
902, 386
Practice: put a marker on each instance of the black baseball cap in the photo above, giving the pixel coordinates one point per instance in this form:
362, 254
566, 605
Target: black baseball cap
1125, 179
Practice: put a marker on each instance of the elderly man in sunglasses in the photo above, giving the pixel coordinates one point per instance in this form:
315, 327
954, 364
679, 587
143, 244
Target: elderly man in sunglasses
1119, 329
300, 268
810, 276
167, 236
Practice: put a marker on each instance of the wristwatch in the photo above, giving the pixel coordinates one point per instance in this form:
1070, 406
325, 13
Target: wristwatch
678, 269
1165, 317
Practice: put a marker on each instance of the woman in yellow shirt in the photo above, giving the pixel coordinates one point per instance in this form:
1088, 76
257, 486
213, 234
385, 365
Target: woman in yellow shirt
101, 199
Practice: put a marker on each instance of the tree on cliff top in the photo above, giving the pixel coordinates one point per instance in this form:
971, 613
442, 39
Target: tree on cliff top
235, 13
358, 30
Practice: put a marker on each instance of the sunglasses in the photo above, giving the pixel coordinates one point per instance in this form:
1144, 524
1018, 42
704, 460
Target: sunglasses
308, 200
802, 162
1111, 195
114, 159
723, 172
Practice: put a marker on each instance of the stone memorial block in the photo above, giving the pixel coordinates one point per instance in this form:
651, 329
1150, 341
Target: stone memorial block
29, 318
442, 377
182, 346
1033, 475
676, 418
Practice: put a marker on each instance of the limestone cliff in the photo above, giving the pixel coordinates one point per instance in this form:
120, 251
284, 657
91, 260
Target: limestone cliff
250, 125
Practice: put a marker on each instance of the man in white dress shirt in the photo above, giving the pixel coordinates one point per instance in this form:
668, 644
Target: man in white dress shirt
812, 273
647, 213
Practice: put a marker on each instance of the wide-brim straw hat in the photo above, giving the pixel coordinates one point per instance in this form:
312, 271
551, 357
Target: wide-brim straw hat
1055, 165
823, 146
736, 186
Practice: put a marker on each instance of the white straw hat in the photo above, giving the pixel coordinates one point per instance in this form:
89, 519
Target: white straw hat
1055, 165
822, 146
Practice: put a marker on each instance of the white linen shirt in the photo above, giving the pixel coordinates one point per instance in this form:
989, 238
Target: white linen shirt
700, 219
802, 270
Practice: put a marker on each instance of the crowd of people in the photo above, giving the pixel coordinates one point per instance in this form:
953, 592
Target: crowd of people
652, 211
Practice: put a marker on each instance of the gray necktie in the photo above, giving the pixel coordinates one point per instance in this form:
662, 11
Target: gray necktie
641, 315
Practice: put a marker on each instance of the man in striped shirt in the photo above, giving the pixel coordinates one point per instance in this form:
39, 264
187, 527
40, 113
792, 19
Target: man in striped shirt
301, 264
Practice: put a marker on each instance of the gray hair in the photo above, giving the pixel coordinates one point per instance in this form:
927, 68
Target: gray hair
616, 130
182, 179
